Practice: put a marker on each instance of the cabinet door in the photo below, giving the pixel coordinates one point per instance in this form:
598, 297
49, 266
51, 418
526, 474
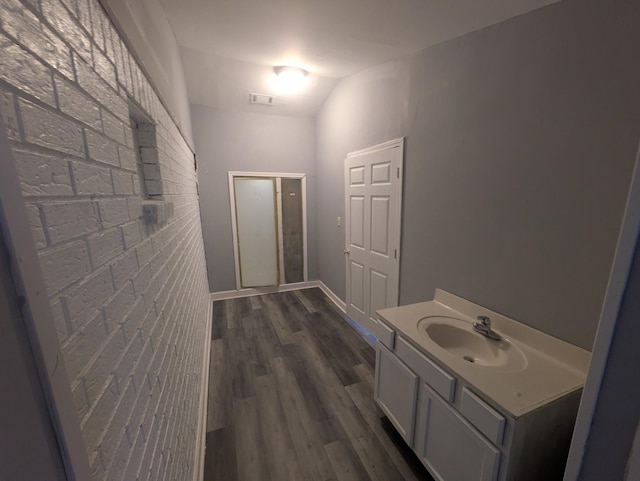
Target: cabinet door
396, 391
451, 448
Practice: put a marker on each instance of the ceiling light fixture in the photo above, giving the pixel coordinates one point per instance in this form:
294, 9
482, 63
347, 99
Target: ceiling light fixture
290, 77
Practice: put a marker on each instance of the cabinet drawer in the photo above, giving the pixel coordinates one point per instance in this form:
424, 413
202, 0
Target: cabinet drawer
439, 380
486, 419
386, 335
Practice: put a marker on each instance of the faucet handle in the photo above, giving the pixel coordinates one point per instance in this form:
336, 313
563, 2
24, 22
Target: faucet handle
484, 320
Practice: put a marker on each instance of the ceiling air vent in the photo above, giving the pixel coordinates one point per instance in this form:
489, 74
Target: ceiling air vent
262, 99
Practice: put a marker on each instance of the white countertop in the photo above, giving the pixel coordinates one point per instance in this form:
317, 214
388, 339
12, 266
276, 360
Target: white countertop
554, 368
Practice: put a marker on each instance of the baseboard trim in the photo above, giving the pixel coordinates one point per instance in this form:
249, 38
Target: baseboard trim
366, 335
340, 304
202, 421
259, 291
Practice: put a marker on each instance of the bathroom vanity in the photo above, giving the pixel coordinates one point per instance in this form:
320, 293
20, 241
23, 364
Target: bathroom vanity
474, 408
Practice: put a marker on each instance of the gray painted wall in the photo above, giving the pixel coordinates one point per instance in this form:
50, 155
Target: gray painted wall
246, 142
521, 139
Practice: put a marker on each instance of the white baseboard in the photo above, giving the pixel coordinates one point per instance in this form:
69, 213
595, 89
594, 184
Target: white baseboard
259, 291
340, 304
202, 420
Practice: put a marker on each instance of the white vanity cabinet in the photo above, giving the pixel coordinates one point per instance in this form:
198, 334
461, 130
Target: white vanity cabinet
456, 433
396, 390
450, 446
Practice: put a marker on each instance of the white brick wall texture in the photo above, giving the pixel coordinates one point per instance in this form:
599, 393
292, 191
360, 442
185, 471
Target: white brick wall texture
129, 300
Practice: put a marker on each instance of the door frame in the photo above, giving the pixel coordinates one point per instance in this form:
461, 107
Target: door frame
619, 274
396, 235
232, 174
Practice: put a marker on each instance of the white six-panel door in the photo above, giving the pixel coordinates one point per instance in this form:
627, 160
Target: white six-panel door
373, 199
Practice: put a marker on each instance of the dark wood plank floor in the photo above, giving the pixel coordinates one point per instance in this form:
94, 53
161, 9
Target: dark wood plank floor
291, 397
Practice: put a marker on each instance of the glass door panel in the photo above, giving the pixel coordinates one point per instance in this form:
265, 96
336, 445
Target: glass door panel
256, 223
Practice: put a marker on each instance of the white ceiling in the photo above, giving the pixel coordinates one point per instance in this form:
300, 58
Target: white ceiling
229, 47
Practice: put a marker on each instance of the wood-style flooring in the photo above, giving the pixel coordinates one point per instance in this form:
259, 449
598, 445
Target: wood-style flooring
291, 397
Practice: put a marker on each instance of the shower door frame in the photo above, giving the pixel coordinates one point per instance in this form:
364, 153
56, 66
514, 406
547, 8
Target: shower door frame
278, 176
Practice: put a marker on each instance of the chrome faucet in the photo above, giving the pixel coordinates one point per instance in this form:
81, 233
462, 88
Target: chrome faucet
483, 326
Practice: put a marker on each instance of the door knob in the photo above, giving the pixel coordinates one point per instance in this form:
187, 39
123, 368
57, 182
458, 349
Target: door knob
346, 251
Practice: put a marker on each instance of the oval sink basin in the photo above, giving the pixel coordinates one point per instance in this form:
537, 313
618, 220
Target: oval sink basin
458, 338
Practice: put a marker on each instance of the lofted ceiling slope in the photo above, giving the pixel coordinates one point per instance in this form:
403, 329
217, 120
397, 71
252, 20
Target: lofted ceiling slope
229, 47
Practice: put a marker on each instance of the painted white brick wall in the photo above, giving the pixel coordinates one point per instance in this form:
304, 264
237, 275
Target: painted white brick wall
129, 300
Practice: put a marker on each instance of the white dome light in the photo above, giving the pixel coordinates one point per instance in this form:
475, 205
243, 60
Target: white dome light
290, 77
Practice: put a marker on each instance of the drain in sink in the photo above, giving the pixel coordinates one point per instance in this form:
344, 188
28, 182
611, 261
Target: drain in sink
468, 358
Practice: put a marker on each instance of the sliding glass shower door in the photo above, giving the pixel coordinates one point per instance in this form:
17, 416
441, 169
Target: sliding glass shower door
269, 226
255, 200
